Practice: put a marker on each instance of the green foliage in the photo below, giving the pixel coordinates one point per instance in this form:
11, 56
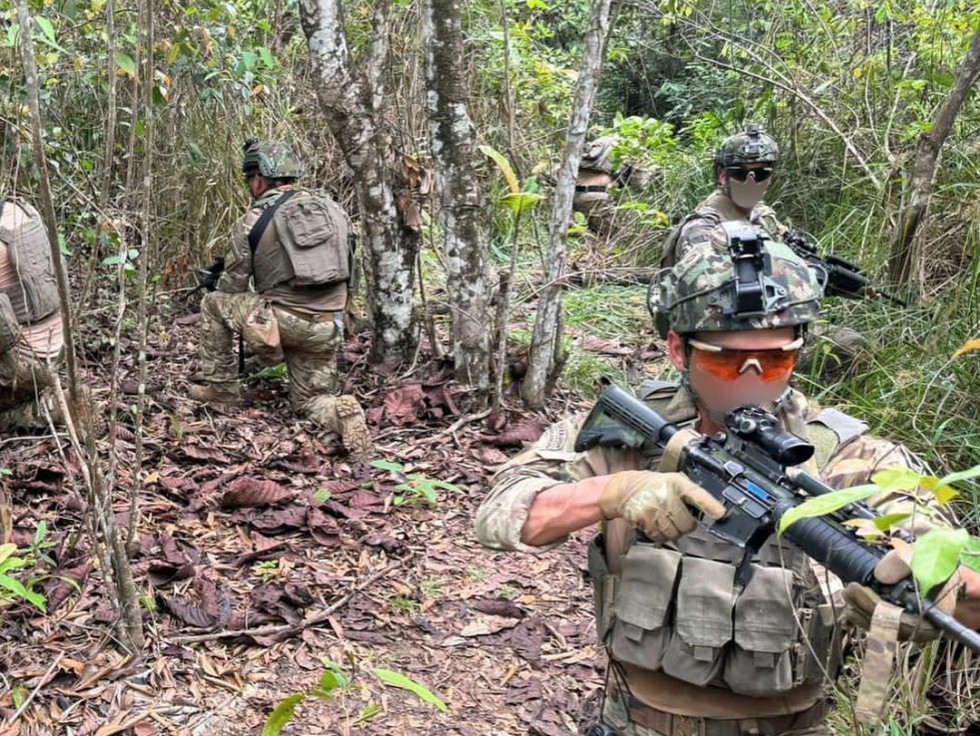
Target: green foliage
333, 685
415, 488
12, 589
937, 554
282, 715
396, 679
825, 504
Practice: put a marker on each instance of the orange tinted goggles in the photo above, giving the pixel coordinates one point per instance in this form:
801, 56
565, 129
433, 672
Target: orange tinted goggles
728, 364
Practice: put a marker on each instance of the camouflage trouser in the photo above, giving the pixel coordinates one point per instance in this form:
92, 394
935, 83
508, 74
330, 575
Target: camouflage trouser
23, 384
616, 714
309, 348
832, 350
599, 214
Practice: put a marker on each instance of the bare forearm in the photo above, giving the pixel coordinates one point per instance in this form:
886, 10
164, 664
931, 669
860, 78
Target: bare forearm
563, 509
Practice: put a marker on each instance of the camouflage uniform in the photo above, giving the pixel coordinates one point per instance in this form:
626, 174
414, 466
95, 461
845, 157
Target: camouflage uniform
30, 320
310, 320
832, 349
596, 174
701, 640
846, 456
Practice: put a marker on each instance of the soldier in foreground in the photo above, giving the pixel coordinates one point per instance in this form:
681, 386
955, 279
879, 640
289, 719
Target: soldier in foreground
31, 338
701, 641
743, 168
293, 245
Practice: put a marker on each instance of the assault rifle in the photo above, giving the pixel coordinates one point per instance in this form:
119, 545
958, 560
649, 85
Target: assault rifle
746, 469
207, 278
844, 278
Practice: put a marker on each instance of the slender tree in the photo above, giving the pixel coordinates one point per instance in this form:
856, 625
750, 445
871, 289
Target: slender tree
453, 146
119, 576
905, 261
544, 361
353, 104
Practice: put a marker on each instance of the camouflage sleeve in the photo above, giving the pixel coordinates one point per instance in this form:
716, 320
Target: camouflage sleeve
767, 217
550, 461
238, 261
857, 461
694, 233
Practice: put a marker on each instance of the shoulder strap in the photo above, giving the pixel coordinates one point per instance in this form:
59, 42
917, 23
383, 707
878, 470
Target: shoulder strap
258, 229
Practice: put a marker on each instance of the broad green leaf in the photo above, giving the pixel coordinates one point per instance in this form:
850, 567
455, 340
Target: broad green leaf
891, 480
887, 521
266, 56
368, 713
387, 465
398, 680
968, 474
968, 347
282, 715
126, 63
825, 504
18, 694
970, 556
936, 555
504, 165
329, 681
522, 201
6, 550
47, 29
15, 587
342, 679
944, 494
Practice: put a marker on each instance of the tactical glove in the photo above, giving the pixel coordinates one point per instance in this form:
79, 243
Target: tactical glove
656, 504
860, 602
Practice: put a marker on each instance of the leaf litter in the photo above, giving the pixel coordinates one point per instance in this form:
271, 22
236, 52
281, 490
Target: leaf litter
261, 548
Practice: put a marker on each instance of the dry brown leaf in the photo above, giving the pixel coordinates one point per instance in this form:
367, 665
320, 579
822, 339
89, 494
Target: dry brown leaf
488, 625
405, 404
209, 454
249, 492
191, 615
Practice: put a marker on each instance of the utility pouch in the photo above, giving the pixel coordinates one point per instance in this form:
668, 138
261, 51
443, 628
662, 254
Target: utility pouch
9, 327
703, 621
766, 629
641, 628
261, 332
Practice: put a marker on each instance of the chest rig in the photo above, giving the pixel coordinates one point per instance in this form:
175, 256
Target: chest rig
688, 610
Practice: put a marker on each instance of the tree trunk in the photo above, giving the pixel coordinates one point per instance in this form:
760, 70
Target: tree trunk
353, 101
452, 142
543, 362
905, 261
119, 574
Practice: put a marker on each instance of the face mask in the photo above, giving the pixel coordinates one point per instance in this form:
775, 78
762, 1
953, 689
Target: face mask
747, 194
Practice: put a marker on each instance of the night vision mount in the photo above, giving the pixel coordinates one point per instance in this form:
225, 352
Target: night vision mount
755, 291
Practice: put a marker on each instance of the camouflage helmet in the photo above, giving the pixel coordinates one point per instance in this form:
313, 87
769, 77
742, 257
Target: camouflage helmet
753, 146
739, 280
271, 159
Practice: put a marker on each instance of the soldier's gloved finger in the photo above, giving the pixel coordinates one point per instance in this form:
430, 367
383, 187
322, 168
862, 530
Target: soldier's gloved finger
893, 567
694, 495
860, 600
662, 528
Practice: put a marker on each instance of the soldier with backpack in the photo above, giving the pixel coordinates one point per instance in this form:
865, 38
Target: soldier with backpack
293, 245
31, 340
